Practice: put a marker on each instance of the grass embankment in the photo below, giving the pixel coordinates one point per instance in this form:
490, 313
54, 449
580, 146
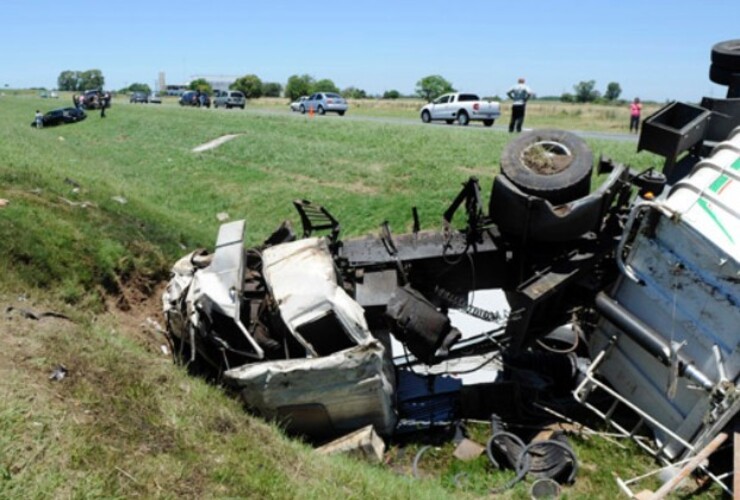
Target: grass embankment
126, 422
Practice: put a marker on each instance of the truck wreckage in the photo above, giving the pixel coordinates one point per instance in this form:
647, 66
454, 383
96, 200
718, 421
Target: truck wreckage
625, 298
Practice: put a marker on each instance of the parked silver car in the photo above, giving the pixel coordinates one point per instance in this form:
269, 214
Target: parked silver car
229, 99
322, 102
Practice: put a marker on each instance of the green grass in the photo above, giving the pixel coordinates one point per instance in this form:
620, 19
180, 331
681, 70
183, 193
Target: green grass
126, 422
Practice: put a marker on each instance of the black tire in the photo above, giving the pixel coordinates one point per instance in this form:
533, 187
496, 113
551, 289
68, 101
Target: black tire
341, 113
449, 122
463, 118
426, 116
242, 106
723, 76
552, 164
302, 109
487, 123
726, 55
321, 110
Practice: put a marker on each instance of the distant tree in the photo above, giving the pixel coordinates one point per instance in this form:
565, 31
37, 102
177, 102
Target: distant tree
586, 91
139, 87
567, 97
250, 85
325, 85
90, 80
391, 94
613, 90
354, 93
432, 86
298, 86
68, 80
271, 89
200, 84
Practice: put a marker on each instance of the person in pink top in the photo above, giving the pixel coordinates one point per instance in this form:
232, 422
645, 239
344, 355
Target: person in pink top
635, 110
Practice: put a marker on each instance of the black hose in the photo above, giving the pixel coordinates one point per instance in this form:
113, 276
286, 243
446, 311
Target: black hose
549, 442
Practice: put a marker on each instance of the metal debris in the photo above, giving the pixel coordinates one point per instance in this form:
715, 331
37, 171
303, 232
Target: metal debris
58, 374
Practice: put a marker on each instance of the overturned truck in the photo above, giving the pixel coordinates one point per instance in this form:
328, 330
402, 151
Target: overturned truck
643, 272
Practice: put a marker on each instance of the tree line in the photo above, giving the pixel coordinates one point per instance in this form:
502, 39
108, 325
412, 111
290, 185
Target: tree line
79, 81
428, 88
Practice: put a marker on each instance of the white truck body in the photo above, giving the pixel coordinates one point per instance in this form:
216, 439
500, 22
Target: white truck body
462, 107
668, 340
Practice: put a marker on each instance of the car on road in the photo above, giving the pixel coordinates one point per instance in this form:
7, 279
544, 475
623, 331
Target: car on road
323, 102
61, 116
191, 98
461, 107
140, 97
229, 99
296, 105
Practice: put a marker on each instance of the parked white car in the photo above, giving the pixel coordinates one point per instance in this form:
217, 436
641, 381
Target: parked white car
461, 107
296, 105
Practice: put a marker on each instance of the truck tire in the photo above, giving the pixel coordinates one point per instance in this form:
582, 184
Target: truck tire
723, 76
727, 55
552, 164
487, 123
321, 110
302, 109
463, 118
426, 117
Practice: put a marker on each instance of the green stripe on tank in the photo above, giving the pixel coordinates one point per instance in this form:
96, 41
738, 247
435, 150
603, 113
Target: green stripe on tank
715, 187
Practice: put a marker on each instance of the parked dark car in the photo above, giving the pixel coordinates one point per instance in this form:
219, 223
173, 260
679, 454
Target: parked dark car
190, 98
140, 97
61, 116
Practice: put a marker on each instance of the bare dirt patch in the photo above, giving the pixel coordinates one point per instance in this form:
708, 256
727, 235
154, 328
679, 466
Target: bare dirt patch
546, 161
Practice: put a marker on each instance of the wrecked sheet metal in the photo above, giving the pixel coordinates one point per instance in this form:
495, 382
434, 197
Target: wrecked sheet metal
303, 282
340, 380
204, 286
323, 396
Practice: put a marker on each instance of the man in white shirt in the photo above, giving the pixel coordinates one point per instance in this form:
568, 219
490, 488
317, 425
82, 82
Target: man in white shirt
519, 94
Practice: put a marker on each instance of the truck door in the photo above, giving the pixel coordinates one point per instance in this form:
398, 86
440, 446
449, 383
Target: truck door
441, 109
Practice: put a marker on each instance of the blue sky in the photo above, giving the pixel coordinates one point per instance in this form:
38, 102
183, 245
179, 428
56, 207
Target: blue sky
658, 50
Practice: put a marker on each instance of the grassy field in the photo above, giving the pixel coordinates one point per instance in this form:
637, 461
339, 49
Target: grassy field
97, 213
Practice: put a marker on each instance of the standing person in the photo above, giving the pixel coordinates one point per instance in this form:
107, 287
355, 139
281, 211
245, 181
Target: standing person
104, 103
39, 119
519, 94
75, 101
635, 111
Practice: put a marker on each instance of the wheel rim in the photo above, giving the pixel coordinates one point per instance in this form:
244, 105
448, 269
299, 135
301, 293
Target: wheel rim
425, 117
463, 119
547, 157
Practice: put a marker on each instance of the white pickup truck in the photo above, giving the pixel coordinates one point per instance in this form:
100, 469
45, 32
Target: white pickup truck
461, 107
